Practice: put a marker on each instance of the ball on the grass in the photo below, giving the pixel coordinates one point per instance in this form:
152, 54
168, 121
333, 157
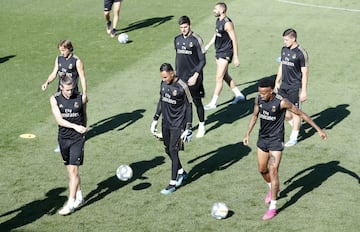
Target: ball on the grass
124, 172
123, 38
219, 210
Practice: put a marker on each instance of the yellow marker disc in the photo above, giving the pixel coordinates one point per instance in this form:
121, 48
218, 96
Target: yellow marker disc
27, 136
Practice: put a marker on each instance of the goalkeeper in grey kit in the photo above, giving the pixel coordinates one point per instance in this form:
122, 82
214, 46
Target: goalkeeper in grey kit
175, 106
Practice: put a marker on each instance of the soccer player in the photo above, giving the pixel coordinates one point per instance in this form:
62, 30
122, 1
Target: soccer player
226, 48
189, 63
271, 109
69, 110
293, 75
175, 106
111, 26
67, 64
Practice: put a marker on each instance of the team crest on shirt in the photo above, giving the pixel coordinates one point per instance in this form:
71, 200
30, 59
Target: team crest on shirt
61, 106
293, 56
70, 66
76, 105
174, 93
191, 44
273, 108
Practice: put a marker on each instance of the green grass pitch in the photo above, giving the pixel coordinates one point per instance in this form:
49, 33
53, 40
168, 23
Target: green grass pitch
322, 192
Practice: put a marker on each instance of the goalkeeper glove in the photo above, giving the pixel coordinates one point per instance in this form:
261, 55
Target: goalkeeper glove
153, 126
186, 136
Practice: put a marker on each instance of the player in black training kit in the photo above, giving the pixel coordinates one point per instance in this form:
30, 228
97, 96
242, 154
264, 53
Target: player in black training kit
69, 110
175, 106
226, 47
292, 79
271, 109
67, 64
189, 63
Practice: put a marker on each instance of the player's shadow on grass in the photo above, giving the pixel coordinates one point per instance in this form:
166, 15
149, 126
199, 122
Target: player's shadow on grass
117, 122
317, 175
156, 21
228, 115
112, 183
325, 119
6, 58
253, 85
32, 211
218, 160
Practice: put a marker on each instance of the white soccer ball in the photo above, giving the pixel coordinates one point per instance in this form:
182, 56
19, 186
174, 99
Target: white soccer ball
219, 210
123, 38
124, 172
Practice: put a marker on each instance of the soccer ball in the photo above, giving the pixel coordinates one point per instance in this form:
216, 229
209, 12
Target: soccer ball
219, 210
124, 172
123, 38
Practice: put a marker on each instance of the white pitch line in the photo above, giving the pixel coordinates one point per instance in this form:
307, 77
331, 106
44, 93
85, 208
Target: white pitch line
318, 6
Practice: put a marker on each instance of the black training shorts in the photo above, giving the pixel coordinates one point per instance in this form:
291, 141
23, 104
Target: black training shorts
270, 144
72, 150
225, 55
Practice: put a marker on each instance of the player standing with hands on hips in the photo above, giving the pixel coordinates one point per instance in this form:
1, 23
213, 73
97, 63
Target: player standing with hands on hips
189, 63
226, 47
271, 109
175, 106
293, 75
69, 110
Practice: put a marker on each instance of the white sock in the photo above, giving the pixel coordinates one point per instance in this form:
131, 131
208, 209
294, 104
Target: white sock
269, 184
201, 125
79, 195
294, 134
70, 202
172, 182
214, 100
237, 92
272, 204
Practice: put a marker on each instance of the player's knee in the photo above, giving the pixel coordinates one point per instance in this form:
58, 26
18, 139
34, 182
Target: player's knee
263, 171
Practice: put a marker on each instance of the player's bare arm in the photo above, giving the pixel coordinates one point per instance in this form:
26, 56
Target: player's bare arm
304, 81
252, 123
84, 101
51, 77
289, 106
229, 28
80, 69
211, 42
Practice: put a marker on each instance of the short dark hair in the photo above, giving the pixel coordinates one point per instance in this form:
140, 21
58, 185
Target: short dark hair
223, 5
290, 32
266, 82
166, 67
184, 19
